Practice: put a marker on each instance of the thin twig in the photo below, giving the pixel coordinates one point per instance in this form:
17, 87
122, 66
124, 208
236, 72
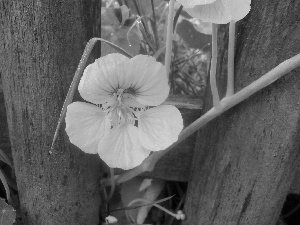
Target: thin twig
144, 32
230, 67
213, 68
169, 37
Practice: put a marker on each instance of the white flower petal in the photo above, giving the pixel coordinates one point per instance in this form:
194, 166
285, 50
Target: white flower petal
149, 80
101, 78
121, 148
86, 124
192, 3
159, 127
238, 9
131, 102
221, 11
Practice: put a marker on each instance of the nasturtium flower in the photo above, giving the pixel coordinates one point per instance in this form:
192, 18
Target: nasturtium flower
124, 120
217, 11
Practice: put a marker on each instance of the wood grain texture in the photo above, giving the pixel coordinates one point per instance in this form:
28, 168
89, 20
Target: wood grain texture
245, 160
41, 43
4, 137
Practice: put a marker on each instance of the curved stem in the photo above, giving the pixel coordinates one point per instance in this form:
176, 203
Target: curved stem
169, 37
159, 51
213, 67
86, 53
230, 67
226, 103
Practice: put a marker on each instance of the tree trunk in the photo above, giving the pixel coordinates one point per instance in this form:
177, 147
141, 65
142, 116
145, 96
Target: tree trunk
245, 160
41, 43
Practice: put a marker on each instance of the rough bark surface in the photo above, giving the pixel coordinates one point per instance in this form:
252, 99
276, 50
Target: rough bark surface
41, 43
245, 160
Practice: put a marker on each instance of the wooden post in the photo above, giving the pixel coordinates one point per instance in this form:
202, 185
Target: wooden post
41, 43
245, 160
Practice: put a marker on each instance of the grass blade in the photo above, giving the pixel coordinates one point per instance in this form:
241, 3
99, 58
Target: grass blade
87, 51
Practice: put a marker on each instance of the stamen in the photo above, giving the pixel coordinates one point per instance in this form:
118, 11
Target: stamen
121, 113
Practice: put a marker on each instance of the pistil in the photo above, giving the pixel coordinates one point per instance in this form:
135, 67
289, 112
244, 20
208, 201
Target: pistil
120, 113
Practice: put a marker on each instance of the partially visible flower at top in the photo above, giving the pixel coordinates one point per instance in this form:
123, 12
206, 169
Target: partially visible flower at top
217, 11
121, 124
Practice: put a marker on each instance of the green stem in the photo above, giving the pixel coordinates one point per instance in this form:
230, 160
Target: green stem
230, 67
154, 26
169, 37
213, 67
226, 103
112, 184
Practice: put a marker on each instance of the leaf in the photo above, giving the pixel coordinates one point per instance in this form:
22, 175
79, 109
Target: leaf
152, 192
136, 189
7, 213
191, 36
125, 14
129, 192
202, 27
113, 30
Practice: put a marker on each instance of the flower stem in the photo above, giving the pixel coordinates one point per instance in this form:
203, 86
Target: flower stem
226, 103
213, 68
230, 67
112, 184
169, 37
154, 26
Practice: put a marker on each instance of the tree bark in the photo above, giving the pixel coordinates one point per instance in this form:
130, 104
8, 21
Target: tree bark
41, 43
245, 160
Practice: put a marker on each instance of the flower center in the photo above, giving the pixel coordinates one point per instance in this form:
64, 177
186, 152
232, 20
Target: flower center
121, 113
130, 91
